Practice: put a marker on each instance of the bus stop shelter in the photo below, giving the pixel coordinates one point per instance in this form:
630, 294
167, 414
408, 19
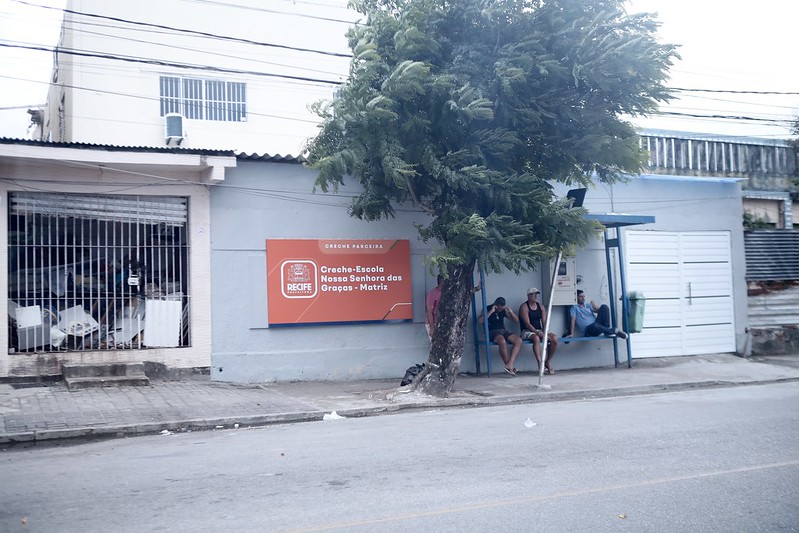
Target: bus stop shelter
612, 225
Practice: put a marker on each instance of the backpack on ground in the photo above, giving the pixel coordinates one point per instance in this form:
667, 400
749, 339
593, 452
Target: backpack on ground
411, 373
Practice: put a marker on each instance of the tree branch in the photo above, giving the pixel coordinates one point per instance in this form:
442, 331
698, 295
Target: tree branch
416, 200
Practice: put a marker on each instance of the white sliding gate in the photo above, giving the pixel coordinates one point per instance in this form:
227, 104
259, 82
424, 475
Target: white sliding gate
686, 278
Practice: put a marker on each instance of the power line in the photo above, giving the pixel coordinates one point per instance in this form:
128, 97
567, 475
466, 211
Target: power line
190, 32
316, 122
727, 117
158, 62
326, 199
727, 101
265, 10
742, 119
725, 112
122, 70
730, 91
150, 98
174, 47
304, 80
161, 63
323, 52
320, 4
663, 113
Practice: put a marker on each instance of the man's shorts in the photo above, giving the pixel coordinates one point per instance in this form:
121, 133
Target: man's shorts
504, 332
528, 335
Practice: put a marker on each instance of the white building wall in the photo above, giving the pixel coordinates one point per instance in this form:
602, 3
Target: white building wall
76, 171
262, 200
117, 102
273, 200
682, 204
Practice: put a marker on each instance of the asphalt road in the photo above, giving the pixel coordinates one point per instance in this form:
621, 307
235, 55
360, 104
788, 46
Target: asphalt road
708, 460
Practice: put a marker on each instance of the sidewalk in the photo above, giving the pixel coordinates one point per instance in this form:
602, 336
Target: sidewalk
40, 414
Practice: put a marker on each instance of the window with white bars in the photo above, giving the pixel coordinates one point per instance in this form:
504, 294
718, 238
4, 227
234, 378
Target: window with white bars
192, 98
195, 98
170, 95
90, 273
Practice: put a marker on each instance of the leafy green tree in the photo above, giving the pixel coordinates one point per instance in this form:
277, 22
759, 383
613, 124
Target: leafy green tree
753, 222
471, 110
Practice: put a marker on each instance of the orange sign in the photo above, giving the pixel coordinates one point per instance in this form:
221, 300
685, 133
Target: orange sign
312, 281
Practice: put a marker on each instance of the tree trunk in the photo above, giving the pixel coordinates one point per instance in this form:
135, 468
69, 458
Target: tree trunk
446, 350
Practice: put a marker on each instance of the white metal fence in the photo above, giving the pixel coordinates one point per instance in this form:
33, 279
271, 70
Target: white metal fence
97, 272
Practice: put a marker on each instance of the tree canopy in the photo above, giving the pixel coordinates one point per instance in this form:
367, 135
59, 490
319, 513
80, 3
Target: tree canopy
472, 109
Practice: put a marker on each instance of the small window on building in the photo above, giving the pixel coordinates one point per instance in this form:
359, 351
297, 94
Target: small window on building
90, 273
170, 95
204, 99
236, 101
215, 100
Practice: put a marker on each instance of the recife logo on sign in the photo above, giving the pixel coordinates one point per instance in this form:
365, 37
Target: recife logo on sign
298, 279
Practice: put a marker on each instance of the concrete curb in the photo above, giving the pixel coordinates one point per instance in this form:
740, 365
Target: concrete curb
241, 422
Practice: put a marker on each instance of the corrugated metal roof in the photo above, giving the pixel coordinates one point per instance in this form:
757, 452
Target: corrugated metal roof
115, 148
772, 255
277, 158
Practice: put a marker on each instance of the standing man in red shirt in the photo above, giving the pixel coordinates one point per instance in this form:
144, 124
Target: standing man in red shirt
431, 306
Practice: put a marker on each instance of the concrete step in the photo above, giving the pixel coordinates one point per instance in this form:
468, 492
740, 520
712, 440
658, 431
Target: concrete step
115, 381
92, 370
85, 375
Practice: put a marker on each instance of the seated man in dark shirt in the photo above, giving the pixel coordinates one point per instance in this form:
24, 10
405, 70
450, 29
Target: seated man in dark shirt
497, 312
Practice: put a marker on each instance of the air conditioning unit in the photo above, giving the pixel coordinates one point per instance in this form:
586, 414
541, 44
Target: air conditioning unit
173, 122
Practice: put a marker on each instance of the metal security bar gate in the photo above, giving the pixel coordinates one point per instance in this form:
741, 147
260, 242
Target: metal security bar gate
97, 272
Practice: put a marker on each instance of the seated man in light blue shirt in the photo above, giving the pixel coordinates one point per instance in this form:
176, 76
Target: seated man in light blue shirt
582, 318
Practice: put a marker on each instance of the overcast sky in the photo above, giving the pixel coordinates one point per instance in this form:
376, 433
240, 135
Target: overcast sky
725, 45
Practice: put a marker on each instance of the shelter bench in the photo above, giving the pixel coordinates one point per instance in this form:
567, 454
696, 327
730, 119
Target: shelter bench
567, 340
564, 340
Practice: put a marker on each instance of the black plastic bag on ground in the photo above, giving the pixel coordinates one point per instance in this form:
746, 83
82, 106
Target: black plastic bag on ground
411, 373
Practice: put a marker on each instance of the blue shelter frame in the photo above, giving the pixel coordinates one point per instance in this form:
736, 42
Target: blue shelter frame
610, 223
